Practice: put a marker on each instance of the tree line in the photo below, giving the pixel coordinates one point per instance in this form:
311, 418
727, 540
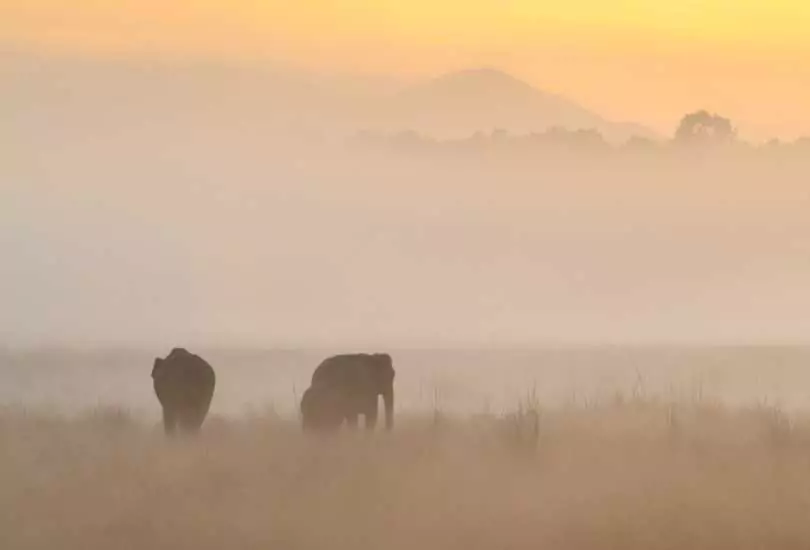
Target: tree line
699, 129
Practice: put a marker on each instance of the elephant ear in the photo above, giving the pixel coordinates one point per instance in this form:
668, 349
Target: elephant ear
383, 370
384, 362
157, 367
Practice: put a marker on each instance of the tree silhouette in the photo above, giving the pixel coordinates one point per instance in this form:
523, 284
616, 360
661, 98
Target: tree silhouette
702, 127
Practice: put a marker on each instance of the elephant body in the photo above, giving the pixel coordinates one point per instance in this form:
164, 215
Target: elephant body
184, 384
346, 386
321, 410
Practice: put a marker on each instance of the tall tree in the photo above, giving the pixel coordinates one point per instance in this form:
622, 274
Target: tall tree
704, 127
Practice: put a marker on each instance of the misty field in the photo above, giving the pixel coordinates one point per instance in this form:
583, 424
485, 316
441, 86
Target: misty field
630, 473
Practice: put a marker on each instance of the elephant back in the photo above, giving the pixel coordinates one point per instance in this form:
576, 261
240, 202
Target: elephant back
183, 373
347, 371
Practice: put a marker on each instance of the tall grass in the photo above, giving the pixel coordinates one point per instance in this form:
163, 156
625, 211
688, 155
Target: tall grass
626, 473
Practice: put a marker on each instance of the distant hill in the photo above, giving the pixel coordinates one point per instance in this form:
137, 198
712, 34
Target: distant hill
461, 103
49, 97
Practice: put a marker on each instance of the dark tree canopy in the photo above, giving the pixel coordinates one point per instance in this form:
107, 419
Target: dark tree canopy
702, 126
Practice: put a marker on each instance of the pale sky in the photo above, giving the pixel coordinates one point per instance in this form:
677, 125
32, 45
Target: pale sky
642, 60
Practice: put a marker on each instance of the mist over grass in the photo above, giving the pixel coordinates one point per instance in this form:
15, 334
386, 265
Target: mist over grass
625, 472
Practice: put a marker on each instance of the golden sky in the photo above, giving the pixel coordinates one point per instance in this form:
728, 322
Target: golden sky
645, 60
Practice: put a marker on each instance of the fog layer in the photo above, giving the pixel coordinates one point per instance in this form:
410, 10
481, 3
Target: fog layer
214, 215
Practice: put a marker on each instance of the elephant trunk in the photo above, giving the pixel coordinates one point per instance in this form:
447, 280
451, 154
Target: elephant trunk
388, 400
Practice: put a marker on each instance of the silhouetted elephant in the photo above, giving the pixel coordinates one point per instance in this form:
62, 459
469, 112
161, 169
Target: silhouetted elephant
346, 386
184, 385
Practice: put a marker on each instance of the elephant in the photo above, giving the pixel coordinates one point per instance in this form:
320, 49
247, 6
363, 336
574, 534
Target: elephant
346, 386
184, 384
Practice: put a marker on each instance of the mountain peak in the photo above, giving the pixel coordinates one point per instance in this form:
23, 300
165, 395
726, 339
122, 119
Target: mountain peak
460, 103
480, 79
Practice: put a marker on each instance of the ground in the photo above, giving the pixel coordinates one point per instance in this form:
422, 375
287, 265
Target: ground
626, 474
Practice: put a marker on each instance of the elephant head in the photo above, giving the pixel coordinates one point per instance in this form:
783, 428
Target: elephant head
158, 368
161, 366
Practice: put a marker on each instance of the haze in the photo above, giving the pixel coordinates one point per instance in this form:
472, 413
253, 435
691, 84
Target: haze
189, 173
580, 232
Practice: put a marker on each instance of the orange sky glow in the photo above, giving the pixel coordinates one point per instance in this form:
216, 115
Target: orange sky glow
642, 60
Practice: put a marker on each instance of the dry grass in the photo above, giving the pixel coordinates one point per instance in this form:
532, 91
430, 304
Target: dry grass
626, 474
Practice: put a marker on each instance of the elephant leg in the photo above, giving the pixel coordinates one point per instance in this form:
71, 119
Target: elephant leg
182, 420
351, 420
371, 414
198, 415
194, 421
169, 421
193, 418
